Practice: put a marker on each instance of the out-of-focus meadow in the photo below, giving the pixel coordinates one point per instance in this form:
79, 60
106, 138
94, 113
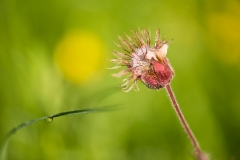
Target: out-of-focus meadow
53, 58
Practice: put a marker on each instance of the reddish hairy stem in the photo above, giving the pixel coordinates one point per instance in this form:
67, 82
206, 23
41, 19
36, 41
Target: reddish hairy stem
199, 154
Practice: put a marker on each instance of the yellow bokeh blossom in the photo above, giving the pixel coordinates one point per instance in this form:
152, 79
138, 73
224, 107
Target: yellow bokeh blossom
224, 35
78, 56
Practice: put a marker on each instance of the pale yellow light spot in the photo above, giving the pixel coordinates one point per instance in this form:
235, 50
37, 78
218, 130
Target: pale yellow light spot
78, 56
225, 34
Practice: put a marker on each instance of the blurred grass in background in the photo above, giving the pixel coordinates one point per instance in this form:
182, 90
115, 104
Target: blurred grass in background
53, 57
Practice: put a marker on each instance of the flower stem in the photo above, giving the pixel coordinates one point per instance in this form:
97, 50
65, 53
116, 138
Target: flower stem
197, 150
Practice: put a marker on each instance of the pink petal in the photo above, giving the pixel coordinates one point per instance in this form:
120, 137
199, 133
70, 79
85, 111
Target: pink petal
163, 72
151, 80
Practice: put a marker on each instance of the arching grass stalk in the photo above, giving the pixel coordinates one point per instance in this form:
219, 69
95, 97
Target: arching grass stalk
49, 119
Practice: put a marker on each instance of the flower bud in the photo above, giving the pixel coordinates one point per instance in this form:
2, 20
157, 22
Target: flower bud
144, 62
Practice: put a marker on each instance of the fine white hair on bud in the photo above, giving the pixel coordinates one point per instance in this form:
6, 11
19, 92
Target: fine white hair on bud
143, 62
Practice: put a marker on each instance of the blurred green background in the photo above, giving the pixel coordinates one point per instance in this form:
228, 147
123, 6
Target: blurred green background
53, 58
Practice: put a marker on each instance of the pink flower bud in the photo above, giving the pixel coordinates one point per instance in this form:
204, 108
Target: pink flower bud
143, 62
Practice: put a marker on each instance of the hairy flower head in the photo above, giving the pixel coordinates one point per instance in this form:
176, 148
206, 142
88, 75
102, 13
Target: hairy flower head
142, 61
